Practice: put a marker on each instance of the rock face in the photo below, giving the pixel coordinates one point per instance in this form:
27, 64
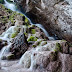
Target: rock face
2, 43
19, 46
47, 59
9, 18
54, 15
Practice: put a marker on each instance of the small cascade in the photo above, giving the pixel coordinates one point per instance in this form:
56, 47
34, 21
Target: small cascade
10, 5
46, 33
32, 62
5, 50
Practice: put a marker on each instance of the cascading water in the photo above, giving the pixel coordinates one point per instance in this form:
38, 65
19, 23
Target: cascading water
13, 8
5, 50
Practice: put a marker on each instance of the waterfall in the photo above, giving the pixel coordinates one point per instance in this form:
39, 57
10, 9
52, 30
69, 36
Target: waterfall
10, 5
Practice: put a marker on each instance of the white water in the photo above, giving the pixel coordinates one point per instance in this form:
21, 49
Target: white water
6, 36
10, 6
69, 1
5, 50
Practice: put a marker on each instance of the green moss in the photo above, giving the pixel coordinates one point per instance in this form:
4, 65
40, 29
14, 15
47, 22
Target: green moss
12, 17
13, 35
10, 57
34, 46
33, 31
9, 11
21, 14
58, 47
0, 40
26, 22
70, 44
25, 33
53, 56
37, 44
63, 40
2, 1
32, 38
43, 43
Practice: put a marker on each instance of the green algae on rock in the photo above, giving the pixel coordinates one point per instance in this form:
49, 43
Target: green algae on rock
11, 57
58, 47
14, 35
32, 38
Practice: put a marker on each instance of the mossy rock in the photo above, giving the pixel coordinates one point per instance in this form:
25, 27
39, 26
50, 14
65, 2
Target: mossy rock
43, 43
37, 43
0, 40
26, 22
58, 48
53, 56
33, 31
32, 38
13, 35
3, 58
10, 57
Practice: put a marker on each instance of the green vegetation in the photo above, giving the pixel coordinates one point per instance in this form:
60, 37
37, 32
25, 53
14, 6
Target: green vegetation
0, 40
26, 22
9, 11
2, 1
70, 44
13, 35
21, 14
58, 47
34, 46
10, 57
37, 43
32, 38
12, 17
33, 31
25, 33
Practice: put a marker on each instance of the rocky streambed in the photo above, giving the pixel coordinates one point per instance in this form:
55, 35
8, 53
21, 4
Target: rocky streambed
25, 47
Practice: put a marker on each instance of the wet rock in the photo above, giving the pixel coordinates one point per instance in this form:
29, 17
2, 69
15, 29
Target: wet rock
66, 62
10, 57
26, 59
41, 59
3, 43
65, 47
70, 50
4, 58
43, 43
19, 45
